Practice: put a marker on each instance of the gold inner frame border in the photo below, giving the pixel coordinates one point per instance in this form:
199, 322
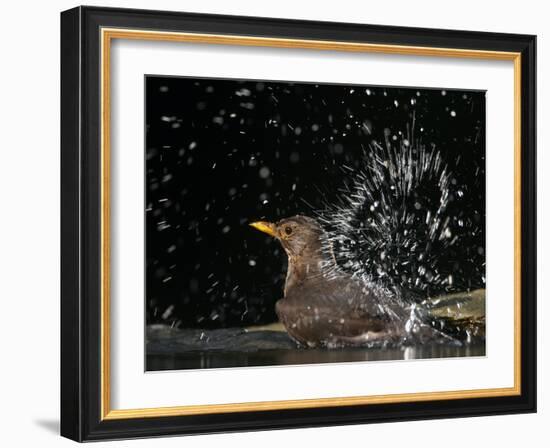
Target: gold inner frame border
107, 36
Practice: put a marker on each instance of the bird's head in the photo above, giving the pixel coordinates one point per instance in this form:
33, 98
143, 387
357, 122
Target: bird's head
299, 235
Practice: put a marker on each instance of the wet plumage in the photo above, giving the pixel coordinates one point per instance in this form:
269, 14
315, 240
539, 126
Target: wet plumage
323, 306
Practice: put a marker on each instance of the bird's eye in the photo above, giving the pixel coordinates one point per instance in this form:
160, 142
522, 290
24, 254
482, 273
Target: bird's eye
288, 230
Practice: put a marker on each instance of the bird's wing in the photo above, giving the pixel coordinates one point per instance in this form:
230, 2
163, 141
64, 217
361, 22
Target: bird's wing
337, 307
348, 297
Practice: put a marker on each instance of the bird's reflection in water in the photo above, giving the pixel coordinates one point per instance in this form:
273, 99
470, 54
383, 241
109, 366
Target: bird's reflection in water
220, 359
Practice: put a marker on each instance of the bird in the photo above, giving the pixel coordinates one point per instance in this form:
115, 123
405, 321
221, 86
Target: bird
390, 261
325, 307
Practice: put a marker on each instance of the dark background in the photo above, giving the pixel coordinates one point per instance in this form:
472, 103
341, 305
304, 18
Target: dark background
223, 153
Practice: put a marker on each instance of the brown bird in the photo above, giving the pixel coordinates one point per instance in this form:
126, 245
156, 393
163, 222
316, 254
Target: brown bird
322, 306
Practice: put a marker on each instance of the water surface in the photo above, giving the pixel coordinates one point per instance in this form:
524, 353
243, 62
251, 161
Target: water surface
170, 349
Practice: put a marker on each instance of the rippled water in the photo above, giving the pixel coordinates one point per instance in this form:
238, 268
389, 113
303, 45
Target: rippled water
169, 349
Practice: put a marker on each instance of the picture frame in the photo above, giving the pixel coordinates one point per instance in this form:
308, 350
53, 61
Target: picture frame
87, 35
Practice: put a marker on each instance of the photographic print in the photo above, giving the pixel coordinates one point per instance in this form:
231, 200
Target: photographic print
303, 223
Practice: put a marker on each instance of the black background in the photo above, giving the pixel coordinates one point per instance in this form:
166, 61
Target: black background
223, 153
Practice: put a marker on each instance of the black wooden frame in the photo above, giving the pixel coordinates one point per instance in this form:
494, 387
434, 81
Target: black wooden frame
80, 223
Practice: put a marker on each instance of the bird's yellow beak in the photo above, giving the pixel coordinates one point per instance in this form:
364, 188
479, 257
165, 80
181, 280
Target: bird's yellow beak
265, 227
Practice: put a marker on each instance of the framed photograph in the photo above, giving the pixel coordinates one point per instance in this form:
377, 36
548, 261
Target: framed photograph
274, 224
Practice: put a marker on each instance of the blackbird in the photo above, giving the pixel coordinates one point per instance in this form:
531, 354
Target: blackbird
325, 307
388, 260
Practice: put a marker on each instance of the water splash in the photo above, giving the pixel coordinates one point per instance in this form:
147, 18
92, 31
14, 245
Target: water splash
391, 226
